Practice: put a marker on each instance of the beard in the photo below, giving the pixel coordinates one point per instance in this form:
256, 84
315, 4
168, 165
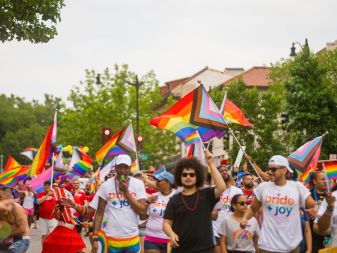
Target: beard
249, 186
189, 186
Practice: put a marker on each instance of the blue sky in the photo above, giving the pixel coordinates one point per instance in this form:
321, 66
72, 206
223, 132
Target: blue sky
175, 38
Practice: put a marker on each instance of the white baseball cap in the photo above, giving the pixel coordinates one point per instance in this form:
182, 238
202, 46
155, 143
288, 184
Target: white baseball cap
278, 160
123, 159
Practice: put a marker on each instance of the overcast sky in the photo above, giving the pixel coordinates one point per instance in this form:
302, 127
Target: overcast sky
175, 38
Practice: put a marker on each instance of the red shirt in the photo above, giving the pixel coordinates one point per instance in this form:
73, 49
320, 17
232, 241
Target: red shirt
79, 198
249, 195
46, 208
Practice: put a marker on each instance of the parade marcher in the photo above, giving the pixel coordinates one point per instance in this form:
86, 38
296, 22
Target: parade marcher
121, 201
64, 238
326, 221
19, 239
222, 208
232, 237
187, 219
46, 202
248, 186
28, 204
155, 238
80, 198
319, 186
281, 200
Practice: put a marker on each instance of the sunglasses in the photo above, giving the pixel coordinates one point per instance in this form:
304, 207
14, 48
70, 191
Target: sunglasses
242, 203
273, 169
188, 174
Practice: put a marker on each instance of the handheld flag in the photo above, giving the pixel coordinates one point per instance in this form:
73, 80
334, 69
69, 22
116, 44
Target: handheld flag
43, 154
232, 113
302, 158
195, 111
82, 162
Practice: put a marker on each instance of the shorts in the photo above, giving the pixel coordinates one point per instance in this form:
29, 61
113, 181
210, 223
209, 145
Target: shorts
162, 247
216, 241
19, 246
47, 225
29, 211
118, 245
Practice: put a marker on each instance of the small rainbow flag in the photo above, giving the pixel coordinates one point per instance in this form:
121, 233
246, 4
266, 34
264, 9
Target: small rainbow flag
192, 138
195, 111
83, 164
233, 114
40, 160
330, 169
11, 163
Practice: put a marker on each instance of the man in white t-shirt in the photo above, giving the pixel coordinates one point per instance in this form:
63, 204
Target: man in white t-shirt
281, 200
326, 222
222, 208
121, 201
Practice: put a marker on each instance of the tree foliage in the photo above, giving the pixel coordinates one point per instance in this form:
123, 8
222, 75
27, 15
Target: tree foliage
113, 104
311, 99
24, 124
32, 20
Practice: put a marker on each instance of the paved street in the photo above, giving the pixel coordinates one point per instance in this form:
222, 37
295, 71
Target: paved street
35, 242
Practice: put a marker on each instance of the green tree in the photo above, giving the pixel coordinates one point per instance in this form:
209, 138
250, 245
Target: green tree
32, 20
311, 100
113, 104
262, 109
24, 124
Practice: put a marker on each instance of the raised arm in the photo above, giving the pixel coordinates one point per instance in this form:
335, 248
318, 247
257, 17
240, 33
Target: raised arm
220, 185
251, 211
262, 174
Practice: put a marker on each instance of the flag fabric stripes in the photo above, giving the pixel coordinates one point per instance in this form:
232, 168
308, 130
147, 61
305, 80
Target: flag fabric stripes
30, 153
83, 164
330, 168
40, 160
54, 133
302, 158
192, 138
232, 113
123, 142
11, 163
195, 111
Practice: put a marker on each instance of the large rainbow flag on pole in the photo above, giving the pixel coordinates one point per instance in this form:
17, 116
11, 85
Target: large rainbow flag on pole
303, 158
42, 156
123, 142
232, 113
195, 111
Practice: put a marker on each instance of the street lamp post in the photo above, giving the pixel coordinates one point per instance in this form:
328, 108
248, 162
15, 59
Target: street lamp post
293, 49
137, 84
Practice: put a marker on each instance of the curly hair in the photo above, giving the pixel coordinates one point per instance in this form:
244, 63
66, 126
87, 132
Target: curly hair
189, 163
313, 178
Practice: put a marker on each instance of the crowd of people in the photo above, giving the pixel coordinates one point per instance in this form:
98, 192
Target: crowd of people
193, 208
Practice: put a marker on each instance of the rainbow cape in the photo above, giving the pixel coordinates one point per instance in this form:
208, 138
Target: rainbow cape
40, 160
11, 163
83, 163
195, 111
303, 158
233, 114
123, 142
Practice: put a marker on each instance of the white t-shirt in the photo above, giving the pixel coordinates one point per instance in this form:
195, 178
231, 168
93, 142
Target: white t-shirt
154, 225
120, 221
333, 227
28, 201
281, 227
223, 206
237, 238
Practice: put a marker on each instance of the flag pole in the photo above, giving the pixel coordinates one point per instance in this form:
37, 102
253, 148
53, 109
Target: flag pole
52, 170
202, 141
323, 165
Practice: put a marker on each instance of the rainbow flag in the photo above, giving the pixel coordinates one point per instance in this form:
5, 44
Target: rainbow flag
54, 133
330, 168
83, 164
11, 163
195, 111
122, 142
232, 113
192, 138
40, 160
13, 176
306, 156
